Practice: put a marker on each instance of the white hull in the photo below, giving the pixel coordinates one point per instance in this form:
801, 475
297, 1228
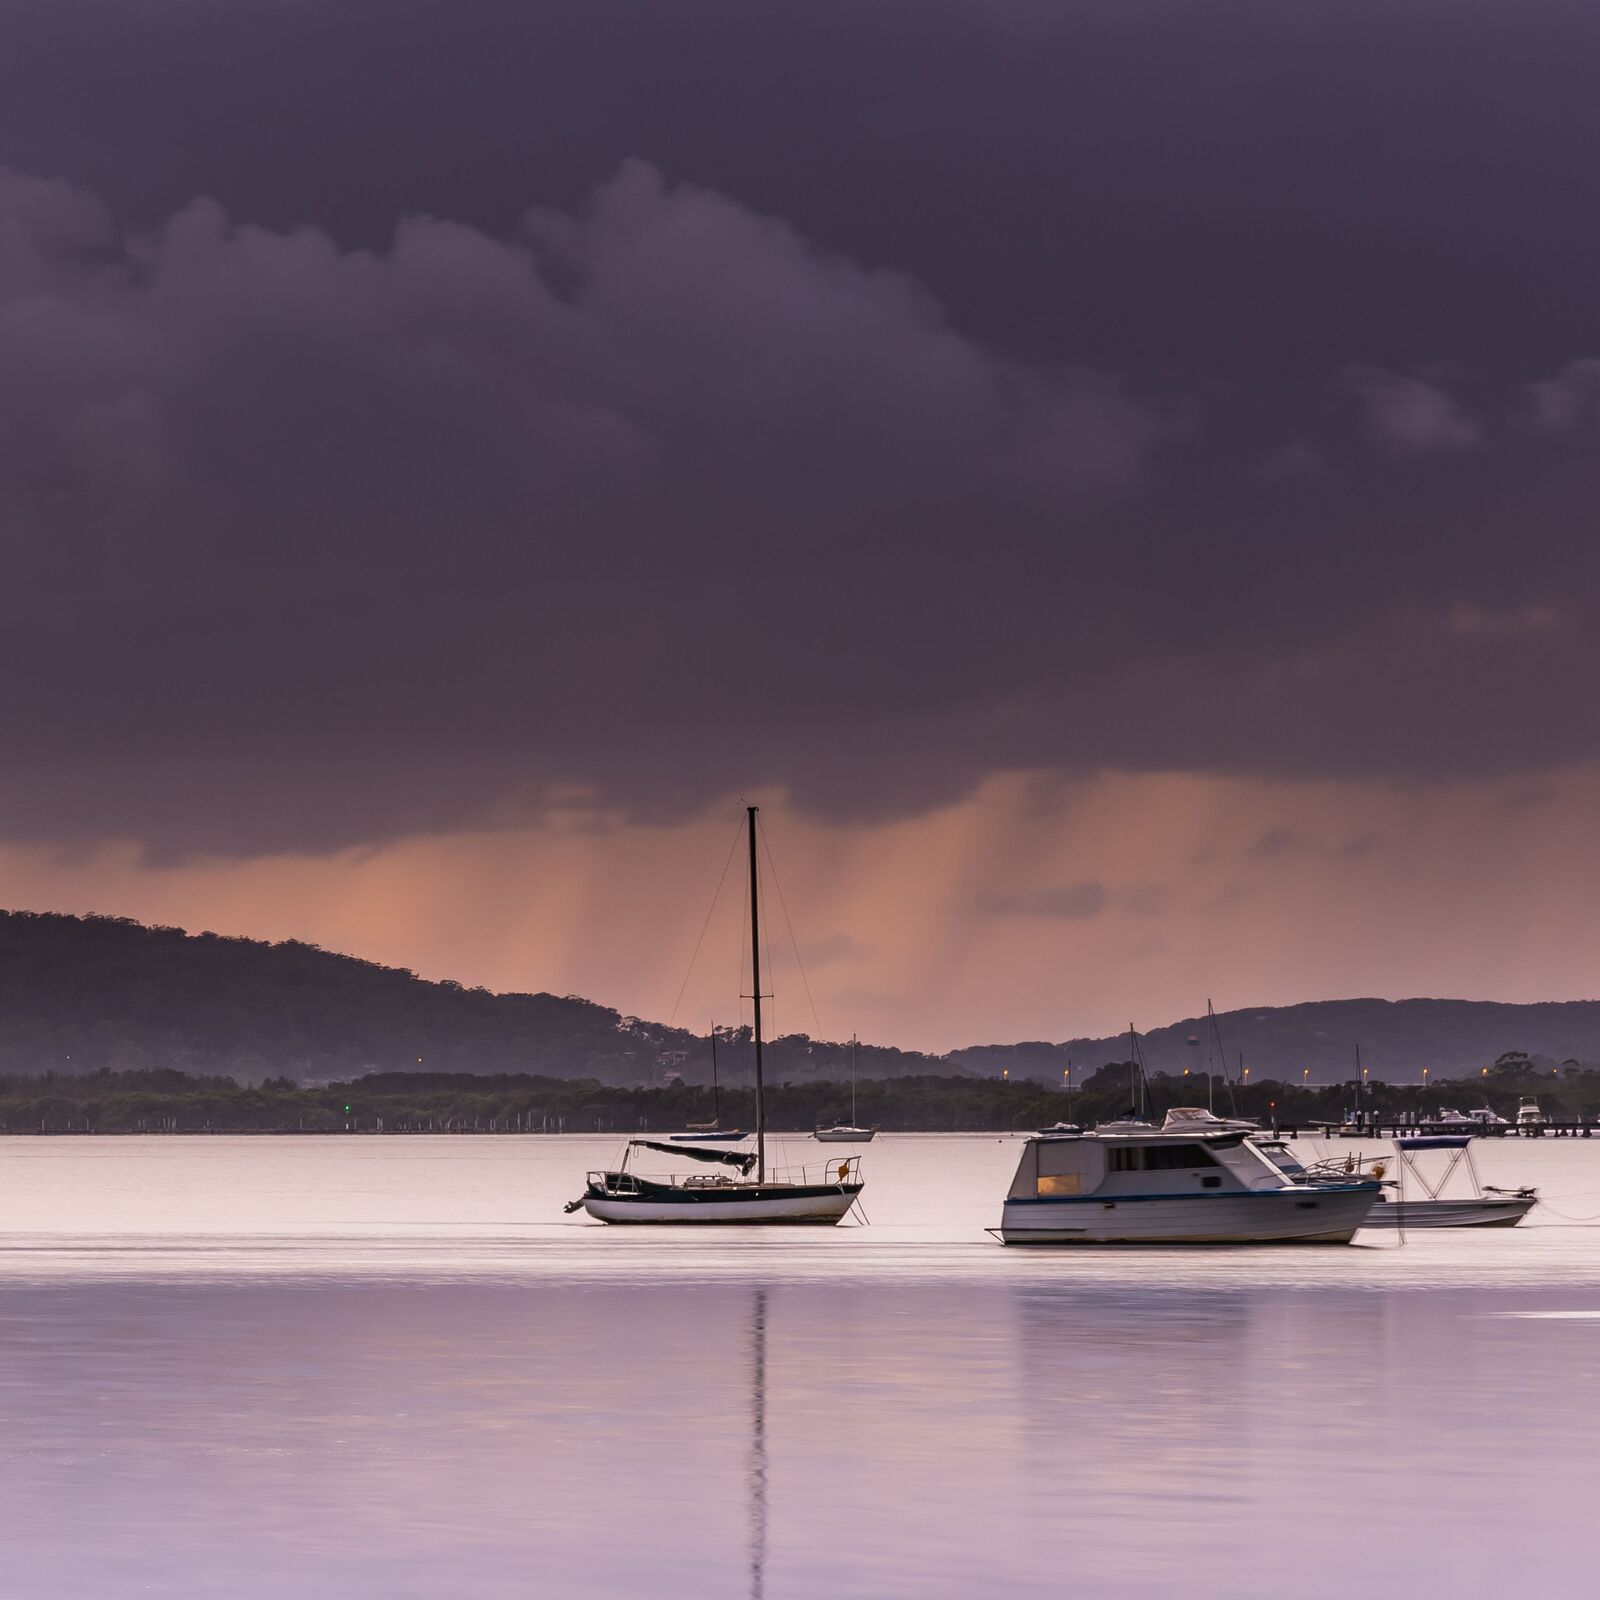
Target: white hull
806, 1206
1491, 1211
845, 1135
1274, 1216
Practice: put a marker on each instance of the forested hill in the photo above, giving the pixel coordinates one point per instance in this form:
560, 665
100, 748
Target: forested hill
78, 994
1397, 1039
83, 994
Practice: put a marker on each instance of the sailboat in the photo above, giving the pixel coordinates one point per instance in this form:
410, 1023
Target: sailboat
819, 1195
700, 1132
847, 1132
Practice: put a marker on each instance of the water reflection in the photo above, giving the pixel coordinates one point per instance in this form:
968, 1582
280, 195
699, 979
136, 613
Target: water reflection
615, 1417
758, 1446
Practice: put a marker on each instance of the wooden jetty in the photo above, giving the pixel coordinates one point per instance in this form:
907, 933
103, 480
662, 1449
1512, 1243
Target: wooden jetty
1374, 1126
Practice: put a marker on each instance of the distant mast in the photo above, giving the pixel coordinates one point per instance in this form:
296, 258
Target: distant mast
755, 985
852, 1080
716, 1094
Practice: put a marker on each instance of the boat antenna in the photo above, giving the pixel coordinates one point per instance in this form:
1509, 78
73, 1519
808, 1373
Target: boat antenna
755, 995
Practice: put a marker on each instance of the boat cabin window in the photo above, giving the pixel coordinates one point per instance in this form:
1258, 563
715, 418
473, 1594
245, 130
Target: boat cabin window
1159, 1158
1057, 1167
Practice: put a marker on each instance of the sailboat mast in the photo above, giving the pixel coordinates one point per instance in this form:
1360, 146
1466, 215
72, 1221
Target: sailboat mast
1211, 1054
852, 1080
755, 985
716, 1093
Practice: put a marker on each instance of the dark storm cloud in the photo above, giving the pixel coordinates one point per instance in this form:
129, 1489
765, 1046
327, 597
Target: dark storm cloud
1172, 386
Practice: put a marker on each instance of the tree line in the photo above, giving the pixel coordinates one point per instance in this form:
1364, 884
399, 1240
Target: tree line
171, 1101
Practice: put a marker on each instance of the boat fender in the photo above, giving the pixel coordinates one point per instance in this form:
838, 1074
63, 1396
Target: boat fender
1378, 1169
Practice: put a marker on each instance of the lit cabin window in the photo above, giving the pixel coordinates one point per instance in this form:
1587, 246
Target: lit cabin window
1060, 1183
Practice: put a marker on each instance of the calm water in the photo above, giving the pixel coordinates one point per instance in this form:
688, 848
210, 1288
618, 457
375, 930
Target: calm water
392, 1368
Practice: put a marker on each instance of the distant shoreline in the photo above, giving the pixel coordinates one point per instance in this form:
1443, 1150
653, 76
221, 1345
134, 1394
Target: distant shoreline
170, 1102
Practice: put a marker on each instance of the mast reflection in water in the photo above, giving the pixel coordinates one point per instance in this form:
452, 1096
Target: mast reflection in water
758, 1446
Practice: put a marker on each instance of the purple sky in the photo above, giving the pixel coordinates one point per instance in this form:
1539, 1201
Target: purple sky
1117, 480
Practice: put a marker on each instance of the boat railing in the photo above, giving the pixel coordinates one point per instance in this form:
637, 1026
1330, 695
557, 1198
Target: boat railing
845, 1169
818, 1175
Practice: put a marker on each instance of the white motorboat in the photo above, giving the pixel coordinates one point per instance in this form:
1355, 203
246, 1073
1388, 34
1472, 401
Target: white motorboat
1196, 1119
847, 1132
1529, 1115
1155, 1187
745, 1191
1483, 1117
1428, 1206
1449, 1118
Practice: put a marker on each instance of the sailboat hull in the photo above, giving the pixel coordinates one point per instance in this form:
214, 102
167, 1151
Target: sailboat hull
845, 1135
782, 1204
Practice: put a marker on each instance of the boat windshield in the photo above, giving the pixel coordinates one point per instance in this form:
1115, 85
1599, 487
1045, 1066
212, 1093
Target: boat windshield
1281, 1156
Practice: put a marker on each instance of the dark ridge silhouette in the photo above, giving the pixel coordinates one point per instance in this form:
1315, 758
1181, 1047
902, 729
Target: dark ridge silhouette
92, 994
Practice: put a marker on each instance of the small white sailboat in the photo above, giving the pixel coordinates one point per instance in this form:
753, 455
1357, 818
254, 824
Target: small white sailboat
1153, 1187
847, 1132
711, 1132
817, 1195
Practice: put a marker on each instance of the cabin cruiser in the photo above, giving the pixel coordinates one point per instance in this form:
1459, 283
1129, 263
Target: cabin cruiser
1529, 1115
1449, 1118
1154, 1187
1196, 1119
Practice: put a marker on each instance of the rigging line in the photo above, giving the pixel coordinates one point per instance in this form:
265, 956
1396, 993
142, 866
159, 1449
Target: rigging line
794, 944
766, 944
710, 910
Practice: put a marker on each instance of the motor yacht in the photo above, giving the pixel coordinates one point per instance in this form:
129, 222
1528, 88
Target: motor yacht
1196, 1119
1529, 1115
1155, 1187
